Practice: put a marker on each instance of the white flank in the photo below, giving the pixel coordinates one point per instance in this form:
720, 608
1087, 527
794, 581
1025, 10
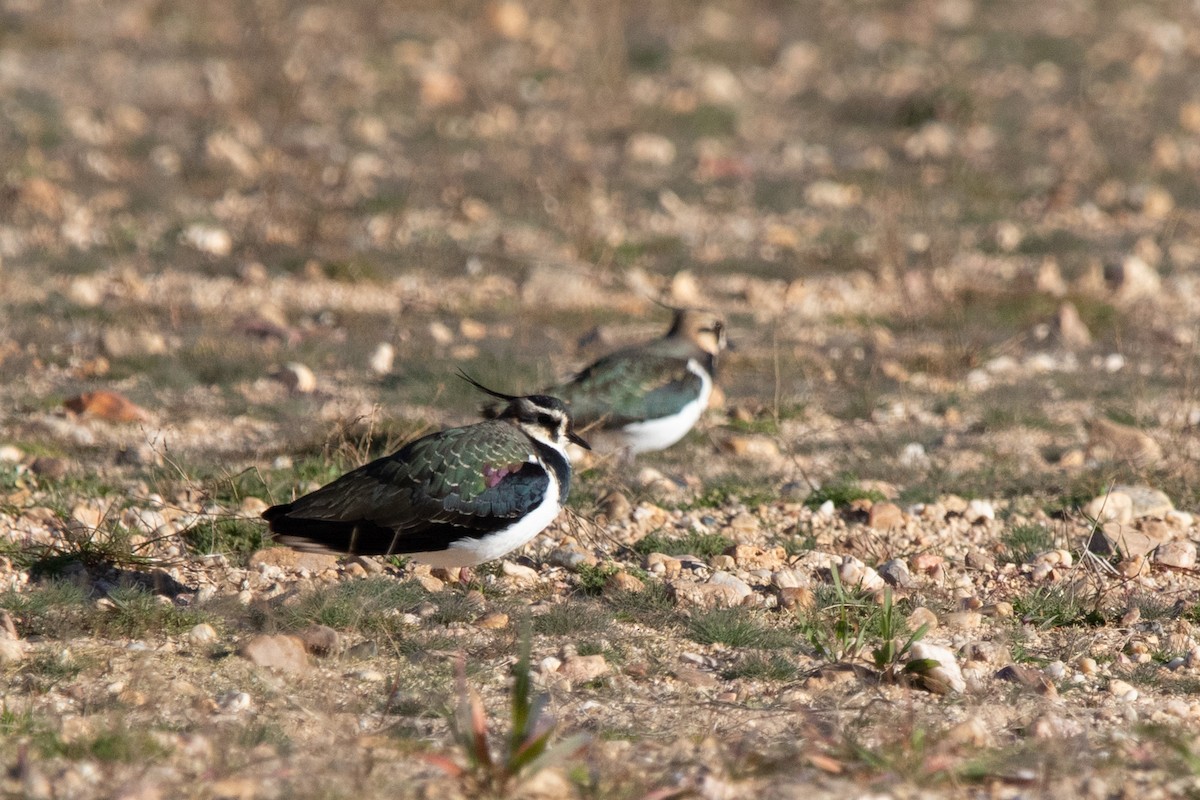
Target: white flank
467, 552
661, 433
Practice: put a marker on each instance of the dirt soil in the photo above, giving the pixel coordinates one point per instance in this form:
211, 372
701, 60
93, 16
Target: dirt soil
934, 538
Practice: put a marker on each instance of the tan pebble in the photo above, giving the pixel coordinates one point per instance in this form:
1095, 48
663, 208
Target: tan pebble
252, 506
8, 626
744, 523
921, 616
695, 677
107, 405
580, 669
493, 621
202, 634
1088, 666
355, 570
706, 595
472, 329
293, 560
722, 562
966, 620
440, 88
440, 333
1122, 690
1072, 459
797, 598
885, 516
11, 650
370, 565
1179, 554
429, 583
284, 653
508, 18
926, 562
615, 505
624, 582
664, 565
1134, 567
1001, 609
971, 732
1029, 677
751, 447
320, 640
752, 557
519, 572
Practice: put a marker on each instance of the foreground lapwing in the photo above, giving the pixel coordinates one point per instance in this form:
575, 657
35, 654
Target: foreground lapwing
456, 498
647, 397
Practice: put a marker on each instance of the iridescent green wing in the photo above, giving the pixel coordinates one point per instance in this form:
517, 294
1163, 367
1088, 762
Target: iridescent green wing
629, 387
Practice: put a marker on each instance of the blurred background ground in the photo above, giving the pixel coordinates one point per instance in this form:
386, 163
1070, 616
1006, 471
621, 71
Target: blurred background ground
957, 242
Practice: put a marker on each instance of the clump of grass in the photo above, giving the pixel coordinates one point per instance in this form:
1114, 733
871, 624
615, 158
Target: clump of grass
845, 623
369, 606
1056, 606
730, 489
63, 610
701, 545
573, 617
756, 666
233, 537
136, 611
22, 726
842, 491
50, 668
52, 609
119, 745
1022, 543
736, 628
594, 577
653, 606
108, 546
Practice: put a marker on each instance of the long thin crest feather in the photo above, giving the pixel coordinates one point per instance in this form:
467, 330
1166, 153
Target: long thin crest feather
484, 389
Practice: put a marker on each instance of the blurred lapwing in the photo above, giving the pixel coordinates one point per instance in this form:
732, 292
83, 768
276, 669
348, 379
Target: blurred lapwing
647, 397
456, 498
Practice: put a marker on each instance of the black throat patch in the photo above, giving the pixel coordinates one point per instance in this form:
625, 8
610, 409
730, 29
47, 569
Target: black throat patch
561, 465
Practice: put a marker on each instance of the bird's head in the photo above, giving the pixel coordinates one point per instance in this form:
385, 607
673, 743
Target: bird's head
542, 417
703, 328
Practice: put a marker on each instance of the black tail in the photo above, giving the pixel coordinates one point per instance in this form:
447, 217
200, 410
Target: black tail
354, 537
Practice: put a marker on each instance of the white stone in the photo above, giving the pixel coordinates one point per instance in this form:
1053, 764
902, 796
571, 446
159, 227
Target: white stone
650, 148
737, 584
519, 572
297, 377
979, 510
946, 673
202, 634
382, 359
208, 239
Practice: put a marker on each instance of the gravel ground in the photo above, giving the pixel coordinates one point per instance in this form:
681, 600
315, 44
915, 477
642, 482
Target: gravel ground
934, 538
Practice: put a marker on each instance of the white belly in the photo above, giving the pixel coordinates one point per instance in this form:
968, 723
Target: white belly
661, 433
468, 551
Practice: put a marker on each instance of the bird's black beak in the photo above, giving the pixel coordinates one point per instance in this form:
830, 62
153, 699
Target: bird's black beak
575, 438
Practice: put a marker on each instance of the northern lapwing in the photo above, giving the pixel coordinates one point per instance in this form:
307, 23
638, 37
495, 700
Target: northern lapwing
455, 498
647, 397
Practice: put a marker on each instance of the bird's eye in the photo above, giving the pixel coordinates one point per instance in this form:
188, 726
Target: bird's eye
547, 421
